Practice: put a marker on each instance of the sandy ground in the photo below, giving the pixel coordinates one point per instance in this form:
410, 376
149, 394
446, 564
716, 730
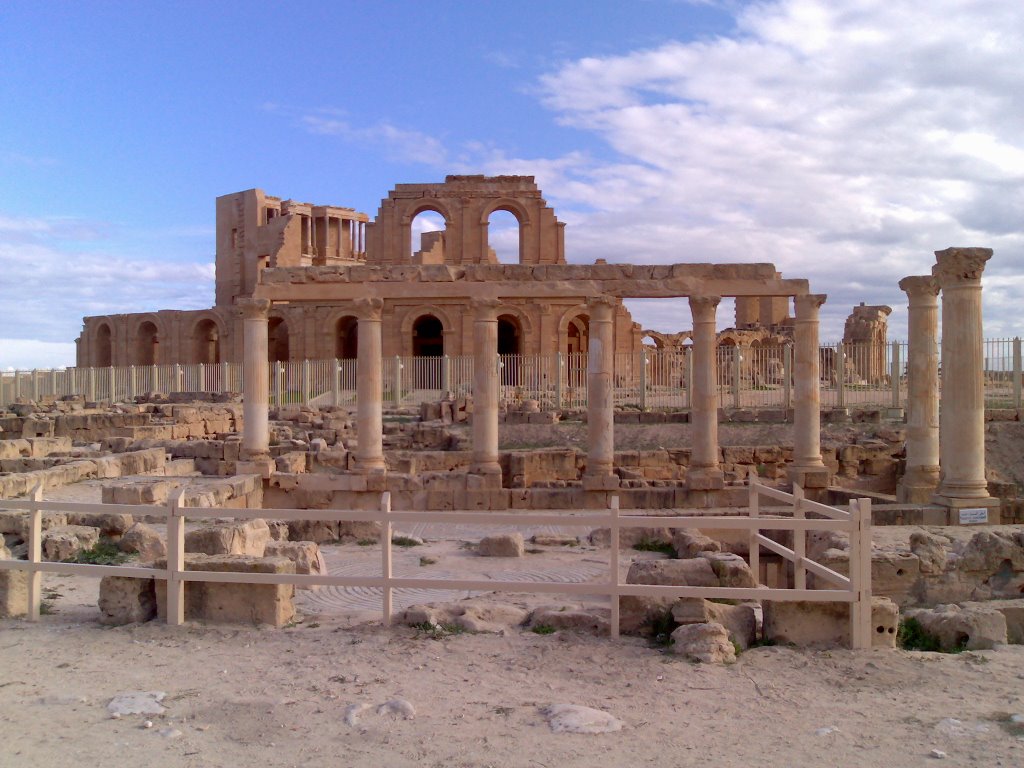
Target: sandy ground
242, 696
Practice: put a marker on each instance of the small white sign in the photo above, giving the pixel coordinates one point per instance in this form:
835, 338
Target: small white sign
973, 516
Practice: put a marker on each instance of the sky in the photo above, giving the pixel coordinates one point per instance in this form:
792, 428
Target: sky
842, 140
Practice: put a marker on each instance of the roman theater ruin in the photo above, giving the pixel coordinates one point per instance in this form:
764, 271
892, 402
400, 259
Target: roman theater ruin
345, 388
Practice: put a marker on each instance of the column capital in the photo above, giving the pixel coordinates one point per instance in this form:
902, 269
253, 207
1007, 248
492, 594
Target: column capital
253, 309
703, 307
918, 287
370, 308
808, 304
601, 308
485, 310
960, 266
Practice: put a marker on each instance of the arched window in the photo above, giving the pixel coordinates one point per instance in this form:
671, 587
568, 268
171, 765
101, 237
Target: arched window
427, 337
504, 238
206, 343
346, 338
277, 340
146, 344
428, 238
103, 356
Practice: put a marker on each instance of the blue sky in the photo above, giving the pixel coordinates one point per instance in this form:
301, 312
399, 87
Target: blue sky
843, 141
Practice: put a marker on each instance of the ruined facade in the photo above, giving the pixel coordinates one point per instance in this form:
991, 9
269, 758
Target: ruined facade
256, 231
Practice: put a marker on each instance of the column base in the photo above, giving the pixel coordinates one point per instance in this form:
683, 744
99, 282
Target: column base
484, 477
808, 477
370, 466
705, 479
956, 503
263, 466
918, 485
602, 482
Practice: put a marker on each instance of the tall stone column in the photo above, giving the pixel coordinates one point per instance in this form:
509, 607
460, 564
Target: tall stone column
600, 474
922, 473
369, 456
962, 415
255, 388
705, 473
807, 469
485, 390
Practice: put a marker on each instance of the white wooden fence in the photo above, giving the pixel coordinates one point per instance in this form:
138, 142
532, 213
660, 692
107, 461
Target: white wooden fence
854, 589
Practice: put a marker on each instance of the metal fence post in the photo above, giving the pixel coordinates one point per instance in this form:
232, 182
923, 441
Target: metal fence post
305, 382
737, 368
385, 554
839, 366
154, 379
92, 385
178, 384
559, 372
131, 382
278, 394
643, 379
202, 377
446, 374
53, 383
894, 374
1016, 373
613, 564
398, 380
336, 383
787, 376
35, 385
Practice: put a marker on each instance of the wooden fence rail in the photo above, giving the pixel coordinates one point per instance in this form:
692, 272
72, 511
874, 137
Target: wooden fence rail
854, 589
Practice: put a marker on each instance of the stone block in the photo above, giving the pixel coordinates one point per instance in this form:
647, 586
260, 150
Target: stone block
13, 593
1013, 612
501, 545
739, 620
592, 620
730, 569
64, 543
696, 572
707, 643
358, 530
271, 604
16, 522
692, 543
245, 538
145, 541
629, 537
111, 525
306, 555
126, 601
640, 615
975, 628
827, 624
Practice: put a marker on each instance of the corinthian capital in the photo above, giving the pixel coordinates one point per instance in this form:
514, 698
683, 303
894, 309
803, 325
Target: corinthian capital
960, 266
369, 308
253, 309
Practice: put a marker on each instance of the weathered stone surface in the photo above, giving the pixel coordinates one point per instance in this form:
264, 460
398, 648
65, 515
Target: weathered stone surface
145, 541
247, 538
1013, 612
112, 525
278, 530
739, 620
501, 545
67, 541
975, 628
573, 718
577, 619
827, 624
473, 615
930, 551
630, 537
271, 604
695, 572
555, 540
987, 551
708, 643
13, 593
318, 531
16, 522
126, 601
692, 543
639, 615
306, 555
731, 570
358, 530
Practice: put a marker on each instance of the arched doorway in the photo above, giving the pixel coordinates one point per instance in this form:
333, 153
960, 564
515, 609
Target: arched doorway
206, 343
103, 355
427, 342
509, 349
346, 338
277, 340
503, 237
146, 342
577, 340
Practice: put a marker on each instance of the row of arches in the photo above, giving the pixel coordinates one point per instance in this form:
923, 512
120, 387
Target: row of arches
205, 342
502, 235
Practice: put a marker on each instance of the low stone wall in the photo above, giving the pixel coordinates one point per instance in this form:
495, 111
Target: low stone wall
144, 462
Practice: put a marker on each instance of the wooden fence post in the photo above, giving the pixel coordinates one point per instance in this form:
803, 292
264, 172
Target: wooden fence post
860, 574
799, 541
385, 554
754, 509
613, 565
175, 560
35, 552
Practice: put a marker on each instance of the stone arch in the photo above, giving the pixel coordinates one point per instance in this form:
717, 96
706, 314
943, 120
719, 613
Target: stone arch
405, 327
102, 346
206, 339
346, 336
427, 338
278, 340
466, 203
574, 330
518, 212
147, 341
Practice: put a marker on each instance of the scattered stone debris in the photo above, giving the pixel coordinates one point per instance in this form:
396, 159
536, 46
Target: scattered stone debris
137, 703
573, 718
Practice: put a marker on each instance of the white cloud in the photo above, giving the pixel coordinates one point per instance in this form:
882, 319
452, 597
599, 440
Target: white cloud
25, 354
399, 144
843, 141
